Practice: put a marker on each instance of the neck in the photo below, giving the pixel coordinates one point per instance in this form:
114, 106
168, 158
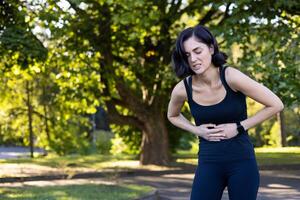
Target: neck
209, 78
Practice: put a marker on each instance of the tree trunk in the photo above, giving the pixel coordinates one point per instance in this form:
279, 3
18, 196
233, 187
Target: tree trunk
155, 142
29, 113
46, 117
280, 118
46, 124
258, 136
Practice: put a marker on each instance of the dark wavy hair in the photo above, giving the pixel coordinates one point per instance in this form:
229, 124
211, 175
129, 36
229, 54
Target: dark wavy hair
179, 58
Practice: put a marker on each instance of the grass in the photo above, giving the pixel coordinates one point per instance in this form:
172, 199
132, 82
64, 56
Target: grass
92, 161
71, 165
65, 192
264, 156
278, 156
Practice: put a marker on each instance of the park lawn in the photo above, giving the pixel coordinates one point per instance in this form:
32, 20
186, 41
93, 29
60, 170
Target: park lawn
278, 156
72, 164
76, 160
65, 192
95, 162
264, 155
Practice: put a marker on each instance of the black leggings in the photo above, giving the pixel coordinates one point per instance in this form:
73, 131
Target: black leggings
240, 177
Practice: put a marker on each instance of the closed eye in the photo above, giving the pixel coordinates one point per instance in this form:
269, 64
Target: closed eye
196, 50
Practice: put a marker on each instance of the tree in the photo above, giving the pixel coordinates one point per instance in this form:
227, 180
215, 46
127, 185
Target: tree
269, 43
34, 87
134, 51
129, 54
18, 41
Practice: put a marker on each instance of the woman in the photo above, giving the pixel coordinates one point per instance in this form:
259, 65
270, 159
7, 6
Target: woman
217, 98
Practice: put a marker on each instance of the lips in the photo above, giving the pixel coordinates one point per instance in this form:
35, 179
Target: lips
197, 66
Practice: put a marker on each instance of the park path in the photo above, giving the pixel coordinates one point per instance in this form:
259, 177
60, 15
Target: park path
274, 185
18, 152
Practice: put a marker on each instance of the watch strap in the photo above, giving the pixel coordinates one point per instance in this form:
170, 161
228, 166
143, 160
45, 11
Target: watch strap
240, 128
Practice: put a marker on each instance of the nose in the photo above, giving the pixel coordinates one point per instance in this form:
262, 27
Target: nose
193, 58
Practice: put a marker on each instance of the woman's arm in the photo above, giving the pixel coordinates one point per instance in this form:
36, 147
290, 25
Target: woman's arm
256, 91
178, 97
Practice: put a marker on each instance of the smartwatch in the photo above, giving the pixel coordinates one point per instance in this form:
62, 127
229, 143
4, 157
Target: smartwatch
240, 128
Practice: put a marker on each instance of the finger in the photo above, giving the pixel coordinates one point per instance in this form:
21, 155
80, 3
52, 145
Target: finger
209, 125
220, 125
215, 130
216, 135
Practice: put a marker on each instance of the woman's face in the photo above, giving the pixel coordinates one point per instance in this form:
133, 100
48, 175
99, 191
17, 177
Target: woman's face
198, 55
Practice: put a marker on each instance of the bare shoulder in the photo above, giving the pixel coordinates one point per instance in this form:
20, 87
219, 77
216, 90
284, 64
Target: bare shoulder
239, 81
235, 78
179, 92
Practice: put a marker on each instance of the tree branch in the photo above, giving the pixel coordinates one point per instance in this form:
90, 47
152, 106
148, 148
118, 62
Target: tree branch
174, 7
131, 100
115, 117
208, 16
226, 14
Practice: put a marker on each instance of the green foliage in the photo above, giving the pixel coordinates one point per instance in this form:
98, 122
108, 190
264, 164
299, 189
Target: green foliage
261, 134
69, 137
126, 140
59, 94
103, 141
179, 139
16, 35
273, 138
292, 119
118, 145
268, 133
18, 39
269, 45
73, 57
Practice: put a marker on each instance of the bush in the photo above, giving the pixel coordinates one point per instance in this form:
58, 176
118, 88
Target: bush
103, 141
127, 140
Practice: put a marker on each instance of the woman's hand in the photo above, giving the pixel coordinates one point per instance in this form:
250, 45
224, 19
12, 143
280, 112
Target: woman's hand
229, 130
210, 132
